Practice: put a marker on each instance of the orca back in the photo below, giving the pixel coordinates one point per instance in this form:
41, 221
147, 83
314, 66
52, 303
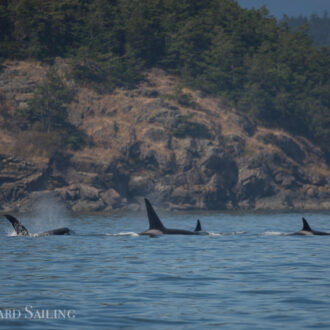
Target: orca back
61, 231
58, 231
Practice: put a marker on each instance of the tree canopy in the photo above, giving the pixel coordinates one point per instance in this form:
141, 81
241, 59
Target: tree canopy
318, 27
264, 68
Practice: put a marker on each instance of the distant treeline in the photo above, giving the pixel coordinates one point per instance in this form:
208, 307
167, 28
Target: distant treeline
263, 68
318, 27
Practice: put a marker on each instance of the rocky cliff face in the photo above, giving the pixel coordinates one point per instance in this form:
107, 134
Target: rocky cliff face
179, 148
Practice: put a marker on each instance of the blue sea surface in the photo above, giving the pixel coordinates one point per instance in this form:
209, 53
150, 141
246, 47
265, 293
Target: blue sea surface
247, 274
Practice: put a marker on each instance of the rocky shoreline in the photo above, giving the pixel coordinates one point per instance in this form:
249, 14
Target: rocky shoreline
182, 150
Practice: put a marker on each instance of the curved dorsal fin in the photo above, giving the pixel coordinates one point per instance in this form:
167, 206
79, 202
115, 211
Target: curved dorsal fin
19, 228
154, 221
198, 226
306, 226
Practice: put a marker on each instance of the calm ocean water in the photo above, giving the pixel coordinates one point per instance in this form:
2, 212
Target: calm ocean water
246, 275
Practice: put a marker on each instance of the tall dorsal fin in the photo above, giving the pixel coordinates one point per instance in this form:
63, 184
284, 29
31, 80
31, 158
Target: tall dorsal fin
19, 228
306, 226
198, 226
154, 221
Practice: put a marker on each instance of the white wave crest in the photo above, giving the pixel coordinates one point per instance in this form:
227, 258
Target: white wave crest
215, 234
273, 233
227, 234
124, 234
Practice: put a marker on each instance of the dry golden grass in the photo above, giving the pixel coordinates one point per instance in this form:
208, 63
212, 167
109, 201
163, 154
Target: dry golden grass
106, 122
35, 147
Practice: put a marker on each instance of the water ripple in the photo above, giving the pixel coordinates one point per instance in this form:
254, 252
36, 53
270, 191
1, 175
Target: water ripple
248, 276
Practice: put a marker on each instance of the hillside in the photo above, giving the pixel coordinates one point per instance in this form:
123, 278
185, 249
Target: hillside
262, 68
178, 147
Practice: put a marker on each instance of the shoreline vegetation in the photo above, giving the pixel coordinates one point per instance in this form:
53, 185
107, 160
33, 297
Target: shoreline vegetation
196, 105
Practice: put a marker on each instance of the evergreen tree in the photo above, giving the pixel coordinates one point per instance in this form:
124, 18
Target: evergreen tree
47, 110
318, 27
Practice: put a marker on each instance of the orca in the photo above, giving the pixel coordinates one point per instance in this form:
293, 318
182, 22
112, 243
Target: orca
22, 231
307, 230
157, 228
198, 226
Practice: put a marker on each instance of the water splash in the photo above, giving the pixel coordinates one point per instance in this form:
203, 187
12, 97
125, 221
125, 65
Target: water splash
48, 213
11, 233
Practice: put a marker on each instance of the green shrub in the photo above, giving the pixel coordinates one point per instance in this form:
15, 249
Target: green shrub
46, 113
186, 127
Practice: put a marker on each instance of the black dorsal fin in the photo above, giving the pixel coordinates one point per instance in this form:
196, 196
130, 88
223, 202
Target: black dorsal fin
306, 226
154, 221
198, 226
19, 228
